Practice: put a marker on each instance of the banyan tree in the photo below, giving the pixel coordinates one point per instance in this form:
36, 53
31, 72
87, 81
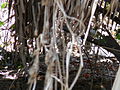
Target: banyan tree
58, 28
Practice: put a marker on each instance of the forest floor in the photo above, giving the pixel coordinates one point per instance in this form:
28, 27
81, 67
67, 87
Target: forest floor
94, 76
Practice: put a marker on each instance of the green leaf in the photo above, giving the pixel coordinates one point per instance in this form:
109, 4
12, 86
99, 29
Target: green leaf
20, 66
12, 26
102, 41
4, 5
118, 36
1, 23
107, 5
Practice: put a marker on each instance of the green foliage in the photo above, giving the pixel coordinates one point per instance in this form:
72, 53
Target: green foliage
20, 66
4, 5
102, 41
1, 23
118, 36
6, 43
12, 26
107, 5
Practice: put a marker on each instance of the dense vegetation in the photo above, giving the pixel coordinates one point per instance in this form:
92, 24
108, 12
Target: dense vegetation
61, 42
